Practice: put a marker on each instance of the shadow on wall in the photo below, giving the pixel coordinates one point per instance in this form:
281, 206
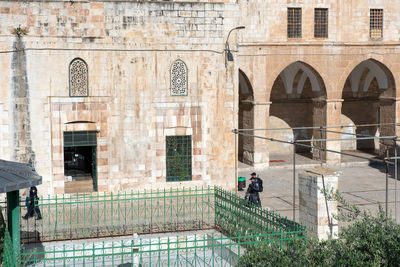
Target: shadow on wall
246, 120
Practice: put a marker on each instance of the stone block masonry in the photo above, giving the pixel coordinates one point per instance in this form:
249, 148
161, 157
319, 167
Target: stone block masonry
316, 212
129, 47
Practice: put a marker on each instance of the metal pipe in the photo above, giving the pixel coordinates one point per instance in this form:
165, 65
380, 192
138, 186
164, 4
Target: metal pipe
236, 163
309, 146
318, 127
395, 173
395, 183
390, 158
330, 131
294, 182
349, 139
387, 185
320, 144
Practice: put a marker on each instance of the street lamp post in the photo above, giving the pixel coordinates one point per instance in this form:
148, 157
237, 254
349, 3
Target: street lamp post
228, 54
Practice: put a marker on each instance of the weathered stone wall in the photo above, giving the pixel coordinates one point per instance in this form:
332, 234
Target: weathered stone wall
129, 48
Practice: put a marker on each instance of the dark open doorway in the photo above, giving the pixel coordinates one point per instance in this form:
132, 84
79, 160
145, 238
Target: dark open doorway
80, 161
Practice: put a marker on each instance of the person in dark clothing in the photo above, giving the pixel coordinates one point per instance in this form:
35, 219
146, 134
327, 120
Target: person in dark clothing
32, 204
252, 193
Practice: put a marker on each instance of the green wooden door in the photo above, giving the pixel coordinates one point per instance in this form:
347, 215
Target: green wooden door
94, 168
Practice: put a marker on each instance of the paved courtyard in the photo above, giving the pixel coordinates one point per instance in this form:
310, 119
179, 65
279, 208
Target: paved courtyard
361, 183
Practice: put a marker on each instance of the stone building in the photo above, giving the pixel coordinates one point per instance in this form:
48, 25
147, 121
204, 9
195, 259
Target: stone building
308, 63
100, 95
116, 95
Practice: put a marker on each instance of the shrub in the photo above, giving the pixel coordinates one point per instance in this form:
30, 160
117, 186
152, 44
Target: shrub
371, 240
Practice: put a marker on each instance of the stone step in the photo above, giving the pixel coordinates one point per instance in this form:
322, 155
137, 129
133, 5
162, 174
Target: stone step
79, 186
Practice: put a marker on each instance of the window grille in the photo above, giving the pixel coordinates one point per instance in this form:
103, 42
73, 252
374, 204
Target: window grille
179, 158
179, 78
80, 138
321, 23
376, 23
78, 78
294, 23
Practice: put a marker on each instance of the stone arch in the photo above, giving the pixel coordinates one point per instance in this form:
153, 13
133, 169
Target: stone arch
246, 119
354, 63
78, 78
369, 99
277, 67
298, 99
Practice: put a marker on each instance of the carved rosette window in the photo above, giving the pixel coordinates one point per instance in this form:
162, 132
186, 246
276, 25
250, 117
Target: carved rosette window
78, 78
179, 78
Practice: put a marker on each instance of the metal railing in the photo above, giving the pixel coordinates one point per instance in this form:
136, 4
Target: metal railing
212, 249
237, 216
113, 214
239, 224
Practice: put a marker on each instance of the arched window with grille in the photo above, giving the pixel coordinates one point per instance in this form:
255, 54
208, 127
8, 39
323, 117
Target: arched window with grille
179, 78
78, 78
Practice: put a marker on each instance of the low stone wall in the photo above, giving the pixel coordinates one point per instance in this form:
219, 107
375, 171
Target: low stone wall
316, 212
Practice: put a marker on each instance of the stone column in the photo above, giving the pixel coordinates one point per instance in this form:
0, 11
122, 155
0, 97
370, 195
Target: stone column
387, 113
261, 119
319, 119
246, 121
333, 118
316, 212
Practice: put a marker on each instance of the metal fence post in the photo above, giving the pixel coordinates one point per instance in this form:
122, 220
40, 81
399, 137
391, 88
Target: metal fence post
13, 217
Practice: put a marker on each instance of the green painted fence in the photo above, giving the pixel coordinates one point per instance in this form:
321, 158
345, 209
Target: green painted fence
196, 250
112, 214
235, 223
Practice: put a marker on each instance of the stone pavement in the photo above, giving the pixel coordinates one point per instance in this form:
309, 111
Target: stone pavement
361, 185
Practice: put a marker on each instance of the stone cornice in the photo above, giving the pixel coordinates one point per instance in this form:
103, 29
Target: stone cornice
255, 102
325, 44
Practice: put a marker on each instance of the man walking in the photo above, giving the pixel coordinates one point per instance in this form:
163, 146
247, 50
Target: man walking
32, 204
255, 186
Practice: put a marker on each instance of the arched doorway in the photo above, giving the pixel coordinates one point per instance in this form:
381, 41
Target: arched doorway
297, 100
246, 119
368, 101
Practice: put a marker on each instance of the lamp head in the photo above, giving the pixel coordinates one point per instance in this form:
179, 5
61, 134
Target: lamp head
229, 55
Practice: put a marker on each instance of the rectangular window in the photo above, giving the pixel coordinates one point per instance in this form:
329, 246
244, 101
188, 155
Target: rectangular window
294, 22
321, 23
80, 138
179, 158
376, 23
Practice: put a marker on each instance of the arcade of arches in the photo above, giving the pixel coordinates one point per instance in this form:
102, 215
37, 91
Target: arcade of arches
298, 98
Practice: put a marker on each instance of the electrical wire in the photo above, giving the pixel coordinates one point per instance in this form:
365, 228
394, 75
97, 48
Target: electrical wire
113, 50
313, 147
318, 127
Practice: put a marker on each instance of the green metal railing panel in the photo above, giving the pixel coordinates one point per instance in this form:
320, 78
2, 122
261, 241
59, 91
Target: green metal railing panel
240, 224
8, 257
112, 214
235, 215
195, 250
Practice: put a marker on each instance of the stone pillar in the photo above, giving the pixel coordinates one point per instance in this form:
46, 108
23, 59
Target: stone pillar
387, 113
246, 121
316, 212
261, 119
319, 119
333, 118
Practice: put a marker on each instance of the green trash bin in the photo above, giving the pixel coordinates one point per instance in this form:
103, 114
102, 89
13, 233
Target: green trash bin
241, 183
